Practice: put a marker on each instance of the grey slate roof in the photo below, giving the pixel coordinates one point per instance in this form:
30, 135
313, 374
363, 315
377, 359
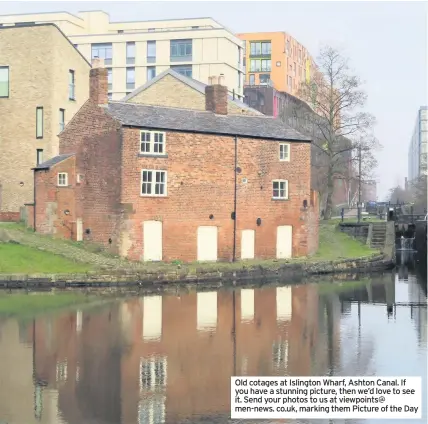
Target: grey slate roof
53, 161
162, 118
196, 85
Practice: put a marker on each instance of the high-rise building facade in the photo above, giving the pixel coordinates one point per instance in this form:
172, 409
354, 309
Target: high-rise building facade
417, 156
277, 59
135, 52
42, 86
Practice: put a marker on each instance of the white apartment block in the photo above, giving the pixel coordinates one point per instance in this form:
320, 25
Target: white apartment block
136, 52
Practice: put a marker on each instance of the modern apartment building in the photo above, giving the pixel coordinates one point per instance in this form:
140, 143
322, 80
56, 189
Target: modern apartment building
43, 83
417, 155
276, 58
135, 52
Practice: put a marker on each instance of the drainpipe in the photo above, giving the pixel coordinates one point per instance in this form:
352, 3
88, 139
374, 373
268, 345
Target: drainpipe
234, 199
34, 200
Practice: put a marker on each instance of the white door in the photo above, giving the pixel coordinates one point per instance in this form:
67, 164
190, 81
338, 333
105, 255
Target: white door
152, 240
207, 243
284, 242
247, 244
79, 229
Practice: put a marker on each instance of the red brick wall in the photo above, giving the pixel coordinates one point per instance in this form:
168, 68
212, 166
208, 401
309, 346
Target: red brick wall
10, 217
52, 201
201, 182
95, 138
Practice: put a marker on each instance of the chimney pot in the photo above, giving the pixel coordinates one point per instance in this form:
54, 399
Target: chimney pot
97, 62
216, 97
221, 79
98, 82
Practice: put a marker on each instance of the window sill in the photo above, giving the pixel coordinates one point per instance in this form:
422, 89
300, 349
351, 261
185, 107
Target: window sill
284, 160
71, 100
63, 186
154, 196
280, 199
150, 155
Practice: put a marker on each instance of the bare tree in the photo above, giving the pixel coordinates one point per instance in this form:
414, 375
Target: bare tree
339, 126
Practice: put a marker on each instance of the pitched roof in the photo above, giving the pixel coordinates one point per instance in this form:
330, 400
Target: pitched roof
144, 116
53, 161
196, 85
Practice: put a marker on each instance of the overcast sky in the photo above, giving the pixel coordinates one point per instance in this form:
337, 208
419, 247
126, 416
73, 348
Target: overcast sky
385, 41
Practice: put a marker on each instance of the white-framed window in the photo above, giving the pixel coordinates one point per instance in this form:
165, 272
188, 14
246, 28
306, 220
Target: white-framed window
152, 411
153, 183
62, 179
61, 119
152, 142
284, 152
280, 189
280, 354
153, 373
61, 371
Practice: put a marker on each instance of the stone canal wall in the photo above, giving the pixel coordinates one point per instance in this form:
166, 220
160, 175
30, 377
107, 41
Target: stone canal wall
198, 275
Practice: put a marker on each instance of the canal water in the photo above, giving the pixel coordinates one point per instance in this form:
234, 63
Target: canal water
168, 359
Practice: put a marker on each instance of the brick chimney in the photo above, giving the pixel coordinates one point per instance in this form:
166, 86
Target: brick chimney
98, 82
216, 96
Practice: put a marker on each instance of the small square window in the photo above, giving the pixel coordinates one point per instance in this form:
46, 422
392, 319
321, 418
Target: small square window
284, 152
152, 143
280, 189
153, 183
62, 179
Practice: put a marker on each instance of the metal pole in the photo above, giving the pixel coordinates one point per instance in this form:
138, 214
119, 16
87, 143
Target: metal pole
359, 185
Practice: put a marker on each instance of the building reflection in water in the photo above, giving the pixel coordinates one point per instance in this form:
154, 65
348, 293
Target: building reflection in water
164, 359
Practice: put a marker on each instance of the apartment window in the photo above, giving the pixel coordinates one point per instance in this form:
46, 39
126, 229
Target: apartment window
151, 51
295, 69
280, 189
110, 95
284, 152
39, 159
130, 53
153, 183
252, 79
185, 70
71, 85
103, 51
130, 78
4, 81
61, 119
264, 78
151, 72
290, 82
39, 122
260, 48
260, 65
152, 143
110, 79
239, 55
287, 49
181, 50
239, 80
62, 179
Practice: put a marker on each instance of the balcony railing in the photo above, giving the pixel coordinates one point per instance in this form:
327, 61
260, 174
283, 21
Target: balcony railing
268, 83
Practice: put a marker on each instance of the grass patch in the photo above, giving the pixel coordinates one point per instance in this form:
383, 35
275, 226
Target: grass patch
19, 259
27, 305
337, 245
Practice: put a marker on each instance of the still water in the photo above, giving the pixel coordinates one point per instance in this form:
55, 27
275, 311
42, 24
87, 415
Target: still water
168, 359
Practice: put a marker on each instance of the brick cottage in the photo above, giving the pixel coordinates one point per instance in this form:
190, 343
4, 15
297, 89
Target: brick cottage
163, 184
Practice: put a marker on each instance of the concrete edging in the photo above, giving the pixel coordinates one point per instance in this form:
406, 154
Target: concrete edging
135, 278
